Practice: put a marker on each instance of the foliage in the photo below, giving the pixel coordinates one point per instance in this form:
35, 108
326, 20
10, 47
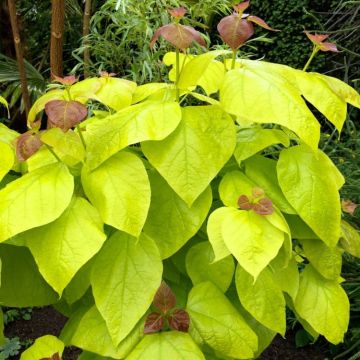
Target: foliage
292, 18
121, 32
10, 348
95, 214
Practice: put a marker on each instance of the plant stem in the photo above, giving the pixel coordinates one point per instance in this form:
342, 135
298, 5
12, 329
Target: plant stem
233, 60
81, 136
314, 52
53, 152
177, 75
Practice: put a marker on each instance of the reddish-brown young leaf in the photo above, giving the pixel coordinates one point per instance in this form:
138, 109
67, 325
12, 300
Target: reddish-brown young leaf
179, 320
241, 7
348, 206
244, 203
235, 31
180, 36
258, 21
164, 299
27, 144
55, 356
65, 114
318, 39
154, 323
106, 74
264, 207
257, 192
67, 80
178, 12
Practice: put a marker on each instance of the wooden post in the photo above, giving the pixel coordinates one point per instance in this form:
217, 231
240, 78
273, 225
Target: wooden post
57, 37
19, 55
86, 30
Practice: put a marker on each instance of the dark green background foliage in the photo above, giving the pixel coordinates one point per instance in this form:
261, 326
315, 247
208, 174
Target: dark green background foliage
292, 17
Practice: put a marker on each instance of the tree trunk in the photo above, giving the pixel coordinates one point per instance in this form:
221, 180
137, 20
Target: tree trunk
19, 55
86, 28
57, 37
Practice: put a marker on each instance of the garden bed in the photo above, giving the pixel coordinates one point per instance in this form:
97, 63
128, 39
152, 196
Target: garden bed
47, 320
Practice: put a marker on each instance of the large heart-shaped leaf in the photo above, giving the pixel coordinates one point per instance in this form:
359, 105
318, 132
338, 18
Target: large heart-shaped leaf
218, 322
182, 221
263, 299
195, 152
172, 345
257, 95
87, 330
21, 283
62, 247
310, 184
7, 159
35, 199
145, 121
125, 278
323, 304
119, 188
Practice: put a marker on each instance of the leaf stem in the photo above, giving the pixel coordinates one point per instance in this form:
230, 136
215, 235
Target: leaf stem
177, 65
314, 52
53, 152
81, 136
233, 60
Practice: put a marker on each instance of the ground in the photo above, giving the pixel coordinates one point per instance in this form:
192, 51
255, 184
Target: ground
45, 321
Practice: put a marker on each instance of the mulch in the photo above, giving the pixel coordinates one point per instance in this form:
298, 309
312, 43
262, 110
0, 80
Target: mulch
47, 321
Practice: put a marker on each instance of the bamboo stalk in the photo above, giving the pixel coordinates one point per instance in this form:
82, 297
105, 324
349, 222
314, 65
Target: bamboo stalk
57, 37
86, 30
19, 55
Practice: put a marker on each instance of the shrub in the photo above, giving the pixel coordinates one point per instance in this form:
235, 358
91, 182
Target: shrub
217, 216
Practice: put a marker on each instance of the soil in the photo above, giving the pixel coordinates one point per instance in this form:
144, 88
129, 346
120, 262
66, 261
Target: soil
46, 320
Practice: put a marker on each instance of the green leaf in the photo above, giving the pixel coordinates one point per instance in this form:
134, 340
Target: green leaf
40, 103
286, 277
251, 141
350, 239
125, 277
144, 91
21, 282
323, 304
263, 299
195, 152
203, 70
7, 135
341, 89
119, 188
262, 171
2, 337
68, 143
182, 222
115, 93
258, 95
35, 199
5, 103
145, 121
172, 345
327, 261
56, 253
44, 347
219, 323
316, 90
200, 268
299, 229
214, 231
307, 327
7, 159
310, 185
87, 330
251, 238
85, 355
